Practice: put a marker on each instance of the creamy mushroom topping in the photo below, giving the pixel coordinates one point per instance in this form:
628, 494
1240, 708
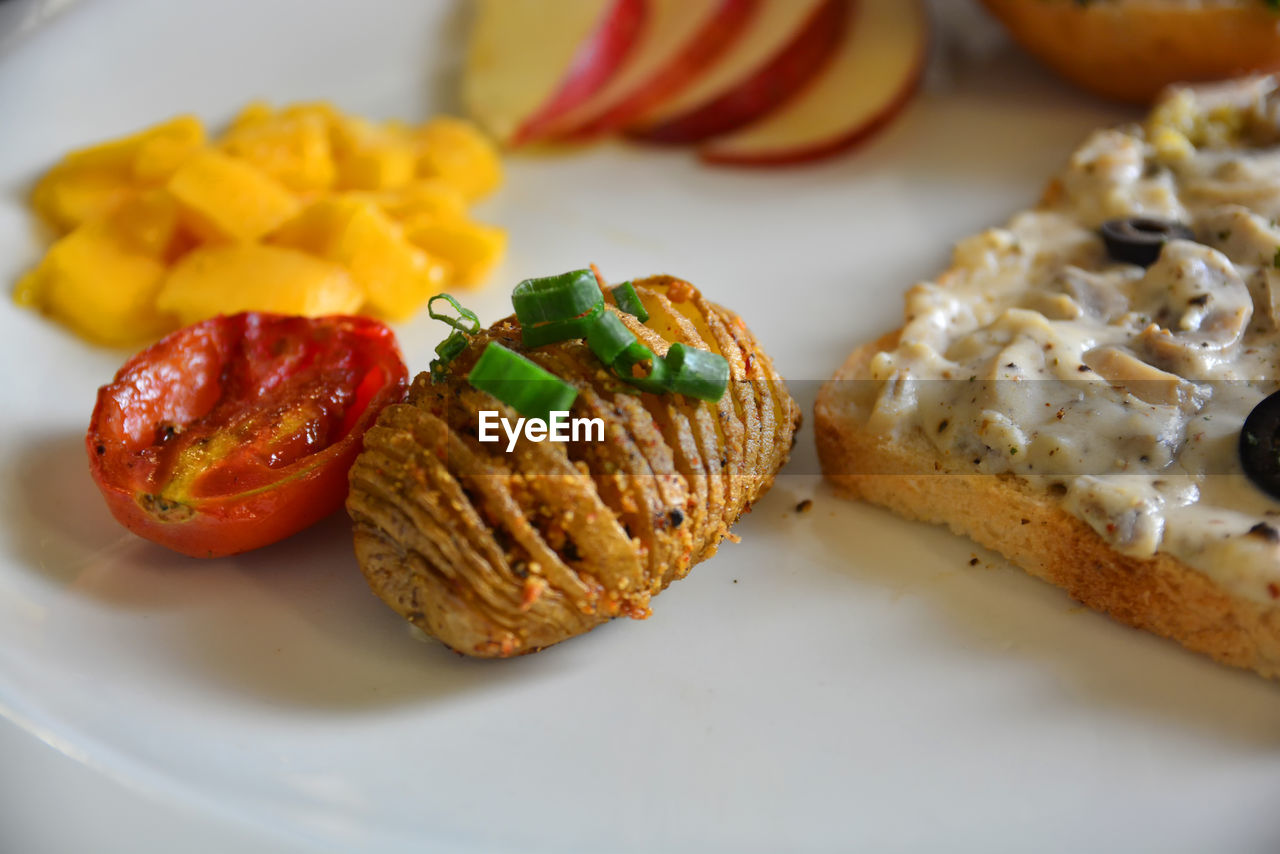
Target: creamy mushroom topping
1119, 389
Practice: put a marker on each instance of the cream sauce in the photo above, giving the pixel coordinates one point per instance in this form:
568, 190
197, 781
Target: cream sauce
1121, 390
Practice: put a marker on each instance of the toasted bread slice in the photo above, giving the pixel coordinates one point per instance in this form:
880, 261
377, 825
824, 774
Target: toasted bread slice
1027, 525
1075, 398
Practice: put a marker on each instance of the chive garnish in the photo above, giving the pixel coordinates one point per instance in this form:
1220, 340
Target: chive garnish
697, 373
626, 298
608, 337
553, 298
652, 376
557, 308
466, 321
559, 330
528, 388
464, 326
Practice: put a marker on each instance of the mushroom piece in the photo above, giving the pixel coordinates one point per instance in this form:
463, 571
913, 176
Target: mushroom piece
1144, 381
1096, 293
1240, 234
1201, 307
1127, 515
1264, 284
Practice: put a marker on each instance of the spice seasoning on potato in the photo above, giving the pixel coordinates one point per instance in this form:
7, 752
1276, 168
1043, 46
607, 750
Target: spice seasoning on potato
499, 554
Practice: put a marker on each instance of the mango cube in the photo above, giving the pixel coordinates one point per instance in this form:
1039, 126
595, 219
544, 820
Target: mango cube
253, 113
395, 276
101, 287
383, 166
147, 223
166, 147
93, 181
457, 152
424, 198
319, 225
121, 154
223, 198
70, 197
27, 292
293, 150
229, 278
301, 210
323, 110
471, 249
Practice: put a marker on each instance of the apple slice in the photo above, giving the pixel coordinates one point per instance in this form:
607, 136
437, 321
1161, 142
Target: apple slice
682, 38
870, 78
532, 61
784, 46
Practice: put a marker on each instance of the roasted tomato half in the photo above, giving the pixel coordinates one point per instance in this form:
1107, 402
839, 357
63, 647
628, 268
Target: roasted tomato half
239, 431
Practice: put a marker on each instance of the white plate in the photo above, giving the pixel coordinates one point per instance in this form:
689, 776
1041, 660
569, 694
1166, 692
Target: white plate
841, 680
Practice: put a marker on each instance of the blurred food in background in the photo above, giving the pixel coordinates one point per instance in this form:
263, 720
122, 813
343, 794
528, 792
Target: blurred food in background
302, 210
1131, 49
750, 82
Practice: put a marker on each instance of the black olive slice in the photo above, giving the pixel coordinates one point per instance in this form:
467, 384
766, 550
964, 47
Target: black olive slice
1139, 239
1260, 445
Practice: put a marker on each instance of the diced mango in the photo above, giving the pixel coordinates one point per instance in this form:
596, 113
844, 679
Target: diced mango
224, 279
426, 197
223, 198
163, 151
324, 110
292, 149
396, 276
318, 226
456, 151
384, 166
304, 210
471, 249
101, 287
27, 292
348, 133
93, 181
253, 113
147, 223
69, 197
369, 155
121, 154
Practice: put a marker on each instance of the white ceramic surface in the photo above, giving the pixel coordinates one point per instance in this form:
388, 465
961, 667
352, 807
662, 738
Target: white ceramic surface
842, 680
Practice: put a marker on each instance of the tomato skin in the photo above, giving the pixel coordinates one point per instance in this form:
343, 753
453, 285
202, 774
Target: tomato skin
238, 431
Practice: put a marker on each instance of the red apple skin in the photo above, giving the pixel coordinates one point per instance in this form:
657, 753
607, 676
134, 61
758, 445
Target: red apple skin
821, 149
828, 148
766, 89
722, 28
597, 59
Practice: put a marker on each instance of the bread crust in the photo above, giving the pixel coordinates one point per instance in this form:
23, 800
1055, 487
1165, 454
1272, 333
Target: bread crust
1131, 50
1028, 526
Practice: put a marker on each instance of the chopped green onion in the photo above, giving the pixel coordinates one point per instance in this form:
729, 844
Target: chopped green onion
448, 350
608, 337
697, 373
629, 301
464, 325
541, 334
562, 297
637, 353
526, 387
472, 324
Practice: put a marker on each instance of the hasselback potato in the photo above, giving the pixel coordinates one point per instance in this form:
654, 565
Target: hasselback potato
499, 554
